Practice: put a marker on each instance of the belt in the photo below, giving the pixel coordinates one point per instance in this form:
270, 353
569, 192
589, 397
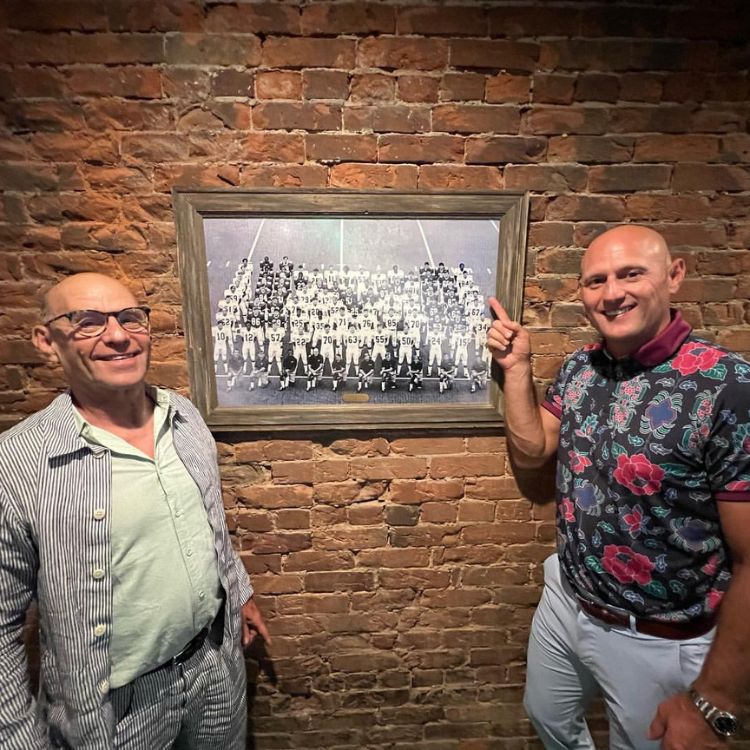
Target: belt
677, 631
192, 647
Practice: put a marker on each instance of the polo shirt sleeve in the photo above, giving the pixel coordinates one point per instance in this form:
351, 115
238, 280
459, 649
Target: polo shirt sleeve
553, 399
728, 447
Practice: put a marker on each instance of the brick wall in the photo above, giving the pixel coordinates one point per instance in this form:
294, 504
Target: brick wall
399, 573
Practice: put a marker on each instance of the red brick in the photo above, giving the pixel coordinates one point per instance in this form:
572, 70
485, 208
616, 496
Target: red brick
292, 116
331, 470
438, 513
597, 87
466, 466
339, 581
144, 15
586, 208
288, 52
492, 488
545, 178
553, 88
642, 87
270, 543
348, 18
293, 519
277, 584
418, 88
374, 176
392, 53
467, 118
80, 49
402, 467
292, 472
702, 177
130, 81
325, 84
427, 447
462, 87
46, 115
372, 87
152, 147
587, 149
365, 514
535, 20
352, 447
573, 119
650, 118
183, 82
410, 491
213, 49
735, 147
503, 149
232, 82
419, 149
496, 53
460, 178
168, 176
119, 114
34, 82
647, 207
627, 178
278, 84
28, 176
272, 147
446, 21
393, 558
82, 15
507, 88
253, 18
397, 118
271, 496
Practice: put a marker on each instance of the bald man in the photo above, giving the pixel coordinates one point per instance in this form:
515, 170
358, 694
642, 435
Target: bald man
111, 517
645, 599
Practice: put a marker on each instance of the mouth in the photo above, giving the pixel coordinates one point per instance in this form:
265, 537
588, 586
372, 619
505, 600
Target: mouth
618, 313
117, 357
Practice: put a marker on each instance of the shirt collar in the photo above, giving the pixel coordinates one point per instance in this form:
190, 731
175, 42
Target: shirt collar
663, 345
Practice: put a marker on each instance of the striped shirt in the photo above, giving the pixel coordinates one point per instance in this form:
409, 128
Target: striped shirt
55, 526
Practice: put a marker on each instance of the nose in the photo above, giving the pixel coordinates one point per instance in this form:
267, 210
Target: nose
612, 289
114, 332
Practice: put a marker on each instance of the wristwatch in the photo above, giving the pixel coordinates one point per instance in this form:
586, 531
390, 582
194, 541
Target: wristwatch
722, 722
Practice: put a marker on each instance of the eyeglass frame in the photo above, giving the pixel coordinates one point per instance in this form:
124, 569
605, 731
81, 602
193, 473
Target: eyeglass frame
112, 313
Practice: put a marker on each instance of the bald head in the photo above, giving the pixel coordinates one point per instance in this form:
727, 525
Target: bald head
633, 238
627, 280
85, 291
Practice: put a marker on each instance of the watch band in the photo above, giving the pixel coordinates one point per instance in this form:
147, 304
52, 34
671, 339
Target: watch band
724, 723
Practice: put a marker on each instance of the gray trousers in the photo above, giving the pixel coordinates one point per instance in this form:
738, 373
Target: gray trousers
189, 706
572, 657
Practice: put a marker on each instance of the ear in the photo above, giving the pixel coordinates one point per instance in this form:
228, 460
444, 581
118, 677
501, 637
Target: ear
676, 275
41, 337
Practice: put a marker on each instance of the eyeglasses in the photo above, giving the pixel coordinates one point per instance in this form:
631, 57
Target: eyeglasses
90, 323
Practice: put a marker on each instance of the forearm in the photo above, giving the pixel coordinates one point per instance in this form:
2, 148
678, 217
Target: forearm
725, 676
523, 420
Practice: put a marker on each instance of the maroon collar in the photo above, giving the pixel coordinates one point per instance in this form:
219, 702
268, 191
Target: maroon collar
664, 344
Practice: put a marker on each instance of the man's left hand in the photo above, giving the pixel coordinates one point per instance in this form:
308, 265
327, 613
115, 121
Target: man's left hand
680, 726
252, 624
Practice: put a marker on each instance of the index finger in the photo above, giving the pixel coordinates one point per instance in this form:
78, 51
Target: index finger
499, 310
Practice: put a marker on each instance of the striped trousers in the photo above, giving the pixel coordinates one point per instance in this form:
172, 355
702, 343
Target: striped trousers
188, 706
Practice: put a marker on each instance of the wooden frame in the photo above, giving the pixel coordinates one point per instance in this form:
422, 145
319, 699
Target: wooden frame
216, 229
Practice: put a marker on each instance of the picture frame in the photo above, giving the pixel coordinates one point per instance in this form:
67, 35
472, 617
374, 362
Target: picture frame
269, 276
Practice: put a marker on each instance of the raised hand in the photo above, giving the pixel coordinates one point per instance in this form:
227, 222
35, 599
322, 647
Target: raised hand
507, 340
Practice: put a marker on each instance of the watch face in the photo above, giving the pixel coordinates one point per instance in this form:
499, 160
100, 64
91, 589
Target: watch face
725, 724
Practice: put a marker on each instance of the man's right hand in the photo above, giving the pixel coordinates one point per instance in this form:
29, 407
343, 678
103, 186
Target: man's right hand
508, 341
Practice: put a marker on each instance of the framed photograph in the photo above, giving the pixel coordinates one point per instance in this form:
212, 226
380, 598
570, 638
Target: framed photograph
333, 310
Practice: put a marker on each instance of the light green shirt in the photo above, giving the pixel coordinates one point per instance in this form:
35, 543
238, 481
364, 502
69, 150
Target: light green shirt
164, 571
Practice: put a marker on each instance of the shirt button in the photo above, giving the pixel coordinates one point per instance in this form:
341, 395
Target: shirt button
104, 687
97, 573
99, 513
189, 552
99, 454
100, 630
201, 595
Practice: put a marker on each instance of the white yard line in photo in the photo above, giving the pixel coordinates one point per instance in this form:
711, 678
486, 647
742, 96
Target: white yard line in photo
426, 244
255, 241
341, 246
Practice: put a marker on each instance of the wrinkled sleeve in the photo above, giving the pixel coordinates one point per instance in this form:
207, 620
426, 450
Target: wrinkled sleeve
19, 727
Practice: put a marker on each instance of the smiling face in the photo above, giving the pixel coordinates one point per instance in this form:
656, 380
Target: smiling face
94, 367
627, 279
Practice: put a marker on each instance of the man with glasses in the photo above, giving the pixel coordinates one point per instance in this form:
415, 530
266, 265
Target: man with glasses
111, 517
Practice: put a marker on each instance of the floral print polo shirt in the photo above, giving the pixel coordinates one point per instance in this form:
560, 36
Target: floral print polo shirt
647, 446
